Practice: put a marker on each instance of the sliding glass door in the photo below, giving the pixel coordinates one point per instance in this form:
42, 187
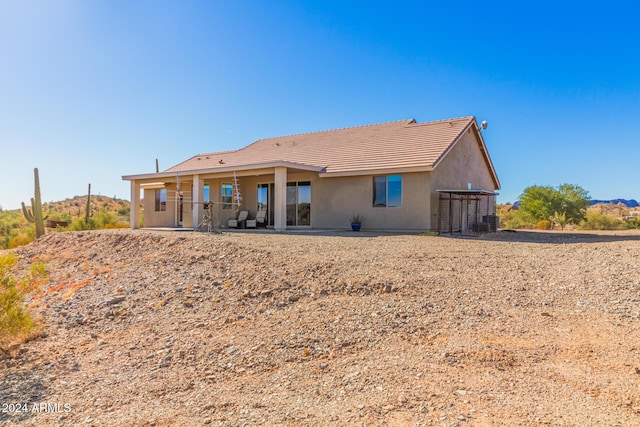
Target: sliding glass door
299, 203
265, 200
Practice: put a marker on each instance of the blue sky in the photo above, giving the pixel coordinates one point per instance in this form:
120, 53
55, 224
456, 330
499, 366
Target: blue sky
93, 90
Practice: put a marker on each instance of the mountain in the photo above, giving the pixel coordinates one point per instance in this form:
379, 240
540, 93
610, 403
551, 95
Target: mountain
628, 203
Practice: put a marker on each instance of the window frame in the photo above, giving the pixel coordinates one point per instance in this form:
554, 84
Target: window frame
226, 199
377, 196
161, 200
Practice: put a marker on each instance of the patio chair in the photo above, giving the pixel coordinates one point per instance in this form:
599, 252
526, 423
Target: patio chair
239, 221
261, 218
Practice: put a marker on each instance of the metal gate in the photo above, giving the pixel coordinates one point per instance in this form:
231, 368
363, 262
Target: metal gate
466, 211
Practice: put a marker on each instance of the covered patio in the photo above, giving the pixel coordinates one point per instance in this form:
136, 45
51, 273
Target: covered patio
179, 199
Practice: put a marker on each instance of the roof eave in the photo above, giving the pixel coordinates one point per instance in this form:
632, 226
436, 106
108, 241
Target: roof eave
223, 169
483, 147
378, 171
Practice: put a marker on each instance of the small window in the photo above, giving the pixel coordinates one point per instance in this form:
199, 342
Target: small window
206, 193
161, 200
387, 191
226, 192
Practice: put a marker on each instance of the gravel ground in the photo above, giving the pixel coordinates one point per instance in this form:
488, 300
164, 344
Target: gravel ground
333, 329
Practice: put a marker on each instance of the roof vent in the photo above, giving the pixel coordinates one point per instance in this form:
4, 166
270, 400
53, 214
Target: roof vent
221, 161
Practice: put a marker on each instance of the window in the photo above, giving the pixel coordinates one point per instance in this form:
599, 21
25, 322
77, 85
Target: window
226, 192
387, 191
161, 200
206, 193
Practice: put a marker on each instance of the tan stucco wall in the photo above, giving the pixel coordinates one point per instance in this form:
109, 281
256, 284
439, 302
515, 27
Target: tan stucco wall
161, 218
464, 164
335, 199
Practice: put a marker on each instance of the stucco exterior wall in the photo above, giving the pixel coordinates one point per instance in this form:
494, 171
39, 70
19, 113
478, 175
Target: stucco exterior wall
464, 164
161, 218
335, 199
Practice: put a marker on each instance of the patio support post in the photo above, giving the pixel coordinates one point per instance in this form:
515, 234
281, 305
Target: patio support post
280, 198
196, 197
134, 212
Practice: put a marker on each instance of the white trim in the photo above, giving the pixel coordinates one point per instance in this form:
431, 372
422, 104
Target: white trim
153, 185
216, 170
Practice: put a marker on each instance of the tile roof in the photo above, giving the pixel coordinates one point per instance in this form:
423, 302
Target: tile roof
394, 145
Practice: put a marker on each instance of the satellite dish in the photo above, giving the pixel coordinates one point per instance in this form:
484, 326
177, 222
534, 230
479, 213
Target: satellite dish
484, 124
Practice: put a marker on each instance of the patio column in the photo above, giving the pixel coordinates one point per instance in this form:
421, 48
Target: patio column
196, 197
134, 211
280, 199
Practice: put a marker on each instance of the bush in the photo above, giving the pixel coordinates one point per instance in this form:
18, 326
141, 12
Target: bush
516, 222
78, 224
543, 225
597, 221
21, 239
16, 321
630, 223
102, 219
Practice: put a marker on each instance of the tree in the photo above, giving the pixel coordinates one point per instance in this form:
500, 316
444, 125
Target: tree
567, 202
573, 202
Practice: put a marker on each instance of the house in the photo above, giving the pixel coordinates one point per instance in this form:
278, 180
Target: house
400, 175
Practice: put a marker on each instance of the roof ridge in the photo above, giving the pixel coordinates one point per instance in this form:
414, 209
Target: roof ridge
216, 152
335, 129
198, 155
444, 120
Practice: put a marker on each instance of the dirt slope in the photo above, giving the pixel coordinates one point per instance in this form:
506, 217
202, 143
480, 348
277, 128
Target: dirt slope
161, 328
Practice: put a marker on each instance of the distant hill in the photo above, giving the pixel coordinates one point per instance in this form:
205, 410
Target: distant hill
75, 207
105, 212
628, 203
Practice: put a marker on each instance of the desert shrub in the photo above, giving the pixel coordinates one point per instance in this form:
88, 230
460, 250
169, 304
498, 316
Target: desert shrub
597, 221
59, 216
561, 219
102, 219
515, 222
511, 218
16, 321
21, 239
78, 224
11, 224
545, 224
630, 223
119, 224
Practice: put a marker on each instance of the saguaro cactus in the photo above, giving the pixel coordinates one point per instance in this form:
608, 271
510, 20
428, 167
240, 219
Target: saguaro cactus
34, 215
88, 210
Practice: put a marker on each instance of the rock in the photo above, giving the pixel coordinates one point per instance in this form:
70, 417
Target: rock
351, 376
116, 299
